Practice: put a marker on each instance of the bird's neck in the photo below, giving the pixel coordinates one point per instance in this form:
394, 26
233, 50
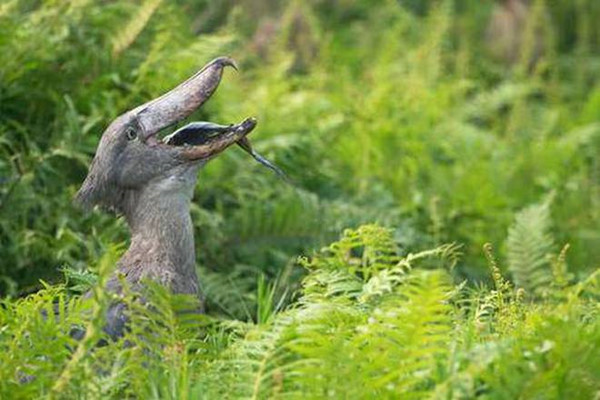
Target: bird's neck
162, 241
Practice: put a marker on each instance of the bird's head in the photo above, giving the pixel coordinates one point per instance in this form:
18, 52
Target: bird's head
131, 158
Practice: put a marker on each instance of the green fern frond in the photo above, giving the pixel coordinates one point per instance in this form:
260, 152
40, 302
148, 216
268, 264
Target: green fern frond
560, 273
413, 327
529, 245
135, 26
365, 264
365, 313
8, 7
361, 252
230, 294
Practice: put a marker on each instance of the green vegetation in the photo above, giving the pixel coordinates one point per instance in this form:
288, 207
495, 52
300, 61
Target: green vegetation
368, 323
393, 113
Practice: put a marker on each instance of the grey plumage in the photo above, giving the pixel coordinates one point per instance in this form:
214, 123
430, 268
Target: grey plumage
150, 183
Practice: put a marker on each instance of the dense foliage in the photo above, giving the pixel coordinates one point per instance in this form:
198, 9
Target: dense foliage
368, 323
394, 112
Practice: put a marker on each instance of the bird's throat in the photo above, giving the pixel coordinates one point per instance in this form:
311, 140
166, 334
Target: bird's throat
162, 242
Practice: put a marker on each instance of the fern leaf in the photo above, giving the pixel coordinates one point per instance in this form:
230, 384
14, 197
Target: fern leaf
136, 25
529, 245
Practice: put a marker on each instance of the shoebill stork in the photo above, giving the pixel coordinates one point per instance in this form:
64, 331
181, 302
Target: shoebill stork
150, 181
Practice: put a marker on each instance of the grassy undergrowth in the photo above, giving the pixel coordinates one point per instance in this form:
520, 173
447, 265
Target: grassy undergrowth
367, 322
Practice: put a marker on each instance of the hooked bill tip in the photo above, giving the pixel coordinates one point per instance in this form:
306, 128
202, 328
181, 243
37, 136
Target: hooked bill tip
226, 62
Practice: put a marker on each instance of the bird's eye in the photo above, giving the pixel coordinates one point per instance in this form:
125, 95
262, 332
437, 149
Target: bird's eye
131, 133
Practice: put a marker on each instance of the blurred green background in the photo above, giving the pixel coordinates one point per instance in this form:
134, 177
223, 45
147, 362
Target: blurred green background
439, 118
